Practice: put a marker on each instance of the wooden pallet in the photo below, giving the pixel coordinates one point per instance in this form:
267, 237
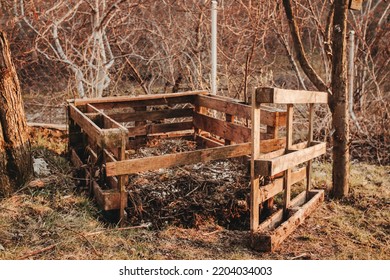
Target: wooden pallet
267, 235
102, 130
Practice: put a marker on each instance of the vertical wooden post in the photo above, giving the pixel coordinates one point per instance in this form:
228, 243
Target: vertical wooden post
287, 173
309, 141
122, 180
230, 119
255, 180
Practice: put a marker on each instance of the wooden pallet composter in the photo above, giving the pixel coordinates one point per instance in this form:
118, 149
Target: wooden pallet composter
267, 234
102, 131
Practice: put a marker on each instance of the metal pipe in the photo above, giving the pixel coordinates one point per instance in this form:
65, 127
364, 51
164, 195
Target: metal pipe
351, 76
214, 88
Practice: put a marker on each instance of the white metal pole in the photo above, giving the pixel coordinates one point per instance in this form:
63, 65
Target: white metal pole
351, 74
214, 88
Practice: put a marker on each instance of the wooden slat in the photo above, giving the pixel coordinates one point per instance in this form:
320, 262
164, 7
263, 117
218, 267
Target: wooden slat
270, 190
106, 199
225, 105
270, 167
75, 159
275, 219
121, 99
230, 106
208, 142
140, 101
309, 141
270, 145
166, 161
152, 115
255, 154
286, 96
158, 128
269, 235
230, 119
230, 131
88, 126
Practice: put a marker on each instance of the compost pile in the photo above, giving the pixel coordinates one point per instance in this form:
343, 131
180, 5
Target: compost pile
189, 196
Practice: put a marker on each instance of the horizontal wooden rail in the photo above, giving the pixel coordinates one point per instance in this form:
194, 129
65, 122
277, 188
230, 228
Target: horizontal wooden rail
269, 115
139, 101
226, 130
270, 190
158, 128
286, 96
151, 115
166, 161
270, 167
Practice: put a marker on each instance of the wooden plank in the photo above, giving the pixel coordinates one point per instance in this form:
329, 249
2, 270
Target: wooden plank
209, 142
230, 131
151, 115
230, 106
286, 96
87, 125
309, 141
270, 190
270, 145
158, 128
54, 126
268, 241
289, 126
108, 157
106, 199
122, 99
92, 154
140, 101
356, 5
255, 154
224, 105
276, 219
287, 191
166, 161
229, 119
270, 167
75, 159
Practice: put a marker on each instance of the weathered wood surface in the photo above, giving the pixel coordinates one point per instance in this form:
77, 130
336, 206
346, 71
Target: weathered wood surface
75, 159
54, 126
151, 115
270, 167
106, 199
159, 128
265, 145
235, 108
255, 154
356, 4
166, 161
287, 96
139, 101
226, 130
87, 125
269, 236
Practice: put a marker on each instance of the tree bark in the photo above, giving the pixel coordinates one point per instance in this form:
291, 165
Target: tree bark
339, 102
338, 99
15, 149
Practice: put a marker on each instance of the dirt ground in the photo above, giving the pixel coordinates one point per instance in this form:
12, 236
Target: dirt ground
50, 218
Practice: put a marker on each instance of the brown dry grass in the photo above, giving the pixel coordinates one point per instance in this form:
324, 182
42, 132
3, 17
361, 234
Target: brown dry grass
54, 221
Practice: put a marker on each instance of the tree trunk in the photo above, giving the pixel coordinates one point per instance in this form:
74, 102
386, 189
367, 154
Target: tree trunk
15, 150
339, 101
